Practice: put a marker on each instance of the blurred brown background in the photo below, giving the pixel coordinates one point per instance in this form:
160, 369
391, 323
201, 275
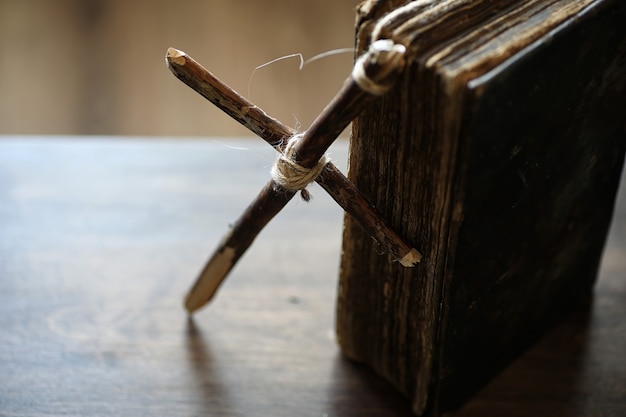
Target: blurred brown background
97, 66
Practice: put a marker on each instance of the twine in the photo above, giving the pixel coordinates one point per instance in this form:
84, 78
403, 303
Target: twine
394, 52
292, 176
366, 83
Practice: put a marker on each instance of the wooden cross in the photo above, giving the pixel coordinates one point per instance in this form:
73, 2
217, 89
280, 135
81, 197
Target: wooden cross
302, 158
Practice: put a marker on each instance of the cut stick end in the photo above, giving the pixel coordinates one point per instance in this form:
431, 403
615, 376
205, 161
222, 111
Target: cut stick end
210, 279
412, 258
196, 299
175, 56
191, 305
201, 293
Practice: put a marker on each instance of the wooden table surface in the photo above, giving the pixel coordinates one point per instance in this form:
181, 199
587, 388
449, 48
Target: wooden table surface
100, 238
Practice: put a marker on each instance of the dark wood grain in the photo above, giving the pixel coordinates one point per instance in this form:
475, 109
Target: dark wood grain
99, 239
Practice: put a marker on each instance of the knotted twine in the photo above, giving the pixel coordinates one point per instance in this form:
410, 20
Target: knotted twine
292, 176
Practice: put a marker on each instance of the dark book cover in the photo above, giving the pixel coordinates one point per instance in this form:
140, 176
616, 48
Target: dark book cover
498, 156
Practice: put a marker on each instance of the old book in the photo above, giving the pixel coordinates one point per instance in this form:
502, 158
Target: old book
498, 156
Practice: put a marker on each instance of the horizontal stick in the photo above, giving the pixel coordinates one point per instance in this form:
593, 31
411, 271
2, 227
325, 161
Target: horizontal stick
346, 105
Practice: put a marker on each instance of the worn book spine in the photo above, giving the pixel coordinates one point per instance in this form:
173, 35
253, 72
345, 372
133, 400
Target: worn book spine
503, 174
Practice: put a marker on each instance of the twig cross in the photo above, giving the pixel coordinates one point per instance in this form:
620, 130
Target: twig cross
302, 158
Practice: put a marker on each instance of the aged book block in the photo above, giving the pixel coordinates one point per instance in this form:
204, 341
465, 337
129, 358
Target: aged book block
498, 156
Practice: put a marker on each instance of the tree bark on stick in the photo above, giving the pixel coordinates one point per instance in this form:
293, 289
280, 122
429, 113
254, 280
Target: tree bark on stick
277, 134
374, 73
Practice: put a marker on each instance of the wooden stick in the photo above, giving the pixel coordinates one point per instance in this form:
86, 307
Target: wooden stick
226, 99
376, 76
234, 244
276, 134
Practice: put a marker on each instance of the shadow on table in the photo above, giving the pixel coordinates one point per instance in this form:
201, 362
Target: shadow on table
548, 379
357, 391
545, 381
212, 394
557, 376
